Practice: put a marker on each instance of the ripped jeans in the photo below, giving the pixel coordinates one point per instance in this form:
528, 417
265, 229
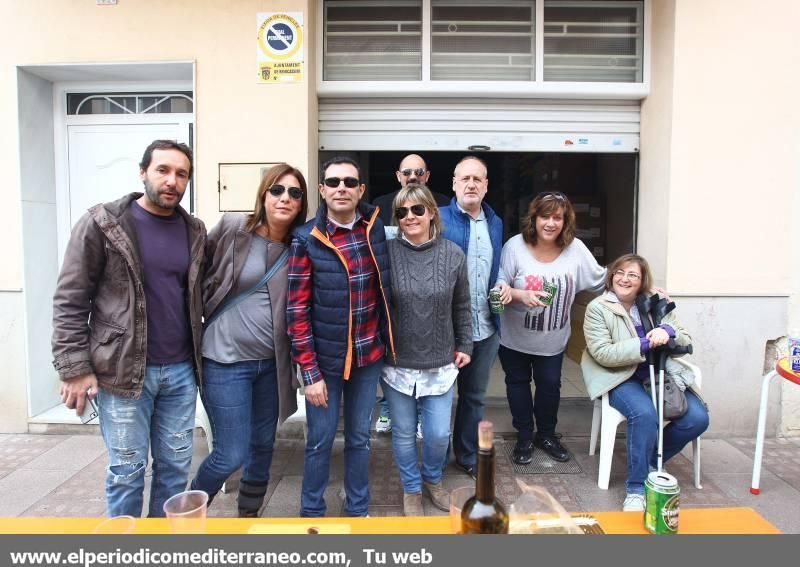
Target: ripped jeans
162, 421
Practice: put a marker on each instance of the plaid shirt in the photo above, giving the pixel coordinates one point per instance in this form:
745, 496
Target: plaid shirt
364, 300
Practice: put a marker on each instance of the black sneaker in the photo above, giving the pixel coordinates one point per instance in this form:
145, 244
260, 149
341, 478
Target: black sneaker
523, 452
553, 447
469, 469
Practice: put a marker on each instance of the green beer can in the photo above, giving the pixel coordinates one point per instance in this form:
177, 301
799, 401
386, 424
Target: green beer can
495, 304
662, 503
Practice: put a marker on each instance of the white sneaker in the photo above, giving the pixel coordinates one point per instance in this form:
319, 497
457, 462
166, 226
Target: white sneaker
633, 503
419, 430
383, 425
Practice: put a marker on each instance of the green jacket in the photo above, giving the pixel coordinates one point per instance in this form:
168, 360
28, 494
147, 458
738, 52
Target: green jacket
613, 348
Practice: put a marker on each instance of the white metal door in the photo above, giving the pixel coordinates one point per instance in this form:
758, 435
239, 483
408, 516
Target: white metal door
103, 165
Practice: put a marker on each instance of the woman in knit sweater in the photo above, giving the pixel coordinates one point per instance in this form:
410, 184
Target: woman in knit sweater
433, 339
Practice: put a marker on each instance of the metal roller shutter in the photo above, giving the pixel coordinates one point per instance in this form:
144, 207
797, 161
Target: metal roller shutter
508, 125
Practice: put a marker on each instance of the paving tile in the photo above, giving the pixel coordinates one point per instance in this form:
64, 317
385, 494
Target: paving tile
86, 484
21, 489
285, 501
727, 465
778, 502
68, 507
721, 456
384, 511
73, 453
385, 488
781, 457
18, 450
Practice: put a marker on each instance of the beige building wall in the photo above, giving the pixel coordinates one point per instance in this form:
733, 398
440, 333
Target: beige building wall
735, 147
236, 119
720, 179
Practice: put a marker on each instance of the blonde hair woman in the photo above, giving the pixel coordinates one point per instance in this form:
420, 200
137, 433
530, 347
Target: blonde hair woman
433, 339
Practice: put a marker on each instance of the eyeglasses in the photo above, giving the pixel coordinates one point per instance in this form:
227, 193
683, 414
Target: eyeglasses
333, 182
554, 194
630, 275
402, 212
294, 192
419, 172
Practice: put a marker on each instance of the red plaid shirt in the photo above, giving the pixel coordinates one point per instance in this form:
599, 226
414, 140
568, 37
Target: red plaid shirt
364, 299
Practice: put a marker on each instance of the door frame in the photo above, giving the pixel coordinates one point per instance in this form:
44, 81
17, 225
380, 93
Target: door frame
62, 122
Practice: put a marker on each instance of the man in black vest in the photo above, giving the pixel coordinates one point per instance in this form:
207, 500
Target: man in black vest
338, 321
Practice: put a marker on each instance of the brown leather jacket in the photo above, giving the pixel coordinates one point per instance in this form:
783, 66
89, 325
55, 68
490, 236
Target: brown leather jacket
226, 252
99, 317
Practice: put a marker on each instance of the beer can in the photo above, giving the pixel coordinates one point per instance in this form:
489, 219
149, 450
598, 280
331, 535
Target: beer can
552, 289
662, 503
794, 350
495, 304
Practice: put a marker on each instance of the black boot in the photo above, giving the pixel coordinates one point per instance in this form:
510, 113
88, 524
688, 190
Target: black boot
251, 498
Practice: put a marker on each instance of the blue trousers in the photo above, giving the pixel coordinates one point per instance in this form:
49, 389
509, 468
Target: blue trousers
473, 380
435, 412
241, 400
545, 371
632, 401
359, 399
160, 421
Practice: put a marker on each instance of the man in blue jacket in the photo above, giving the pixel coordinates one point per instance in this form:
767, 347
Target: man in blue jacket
474, 226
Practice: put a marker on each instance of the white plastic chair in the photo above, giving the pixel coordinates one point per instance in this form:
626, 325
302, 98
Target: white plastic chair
605, 420
201, 421
300, 415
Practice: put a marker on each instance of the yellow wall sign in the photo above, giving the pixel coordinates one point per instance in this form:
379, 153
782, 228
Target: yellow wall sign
280, 47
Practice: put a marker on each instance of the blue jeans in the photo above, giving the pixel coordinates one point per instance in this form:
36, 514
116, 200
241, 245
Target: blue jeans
631, 400
543, 405
161, 421
384, 404
359, 398
472, 382
242, 404
436, 425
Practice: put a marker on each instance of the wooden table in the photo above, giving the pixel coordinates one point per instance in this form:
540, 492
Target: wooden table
692, 521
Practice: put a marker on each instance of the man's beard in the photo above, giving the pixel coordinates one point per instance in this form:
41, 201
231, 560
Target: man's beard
155, 198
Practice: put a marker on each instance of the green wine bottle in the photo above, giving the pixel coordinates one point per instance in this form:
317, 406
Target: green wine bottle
483, 513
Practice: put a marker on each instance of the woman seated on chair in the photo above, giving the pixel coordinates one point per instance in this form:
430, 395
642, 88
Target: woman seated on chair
614, 363
248, 381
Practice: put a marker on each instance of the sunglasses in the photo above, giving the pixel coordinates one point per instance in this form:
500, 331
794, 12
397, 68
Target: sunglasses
294, 192
419, 172
402, 212
554, 194
333, 182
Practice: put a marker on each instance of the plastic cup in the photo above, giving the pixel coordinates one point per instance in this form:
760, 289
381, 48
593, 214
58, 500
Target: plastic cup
116, 525
459, 497
186, 512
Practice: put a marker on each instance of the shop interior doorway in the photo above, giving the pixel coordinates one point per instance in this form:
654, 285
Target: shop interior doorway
601, 186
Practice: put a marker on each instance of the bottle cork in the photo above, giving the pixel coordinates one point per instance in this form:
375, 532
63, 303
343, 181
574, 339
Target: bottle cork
485, 434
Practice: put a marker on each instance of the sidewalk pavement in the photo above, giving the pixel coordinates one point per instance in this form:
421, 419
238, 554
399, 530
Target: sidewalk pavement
62, 474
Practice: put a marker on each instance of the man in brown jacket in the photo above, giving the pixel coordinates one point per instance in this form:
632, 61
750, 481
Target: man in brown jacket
127, 320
